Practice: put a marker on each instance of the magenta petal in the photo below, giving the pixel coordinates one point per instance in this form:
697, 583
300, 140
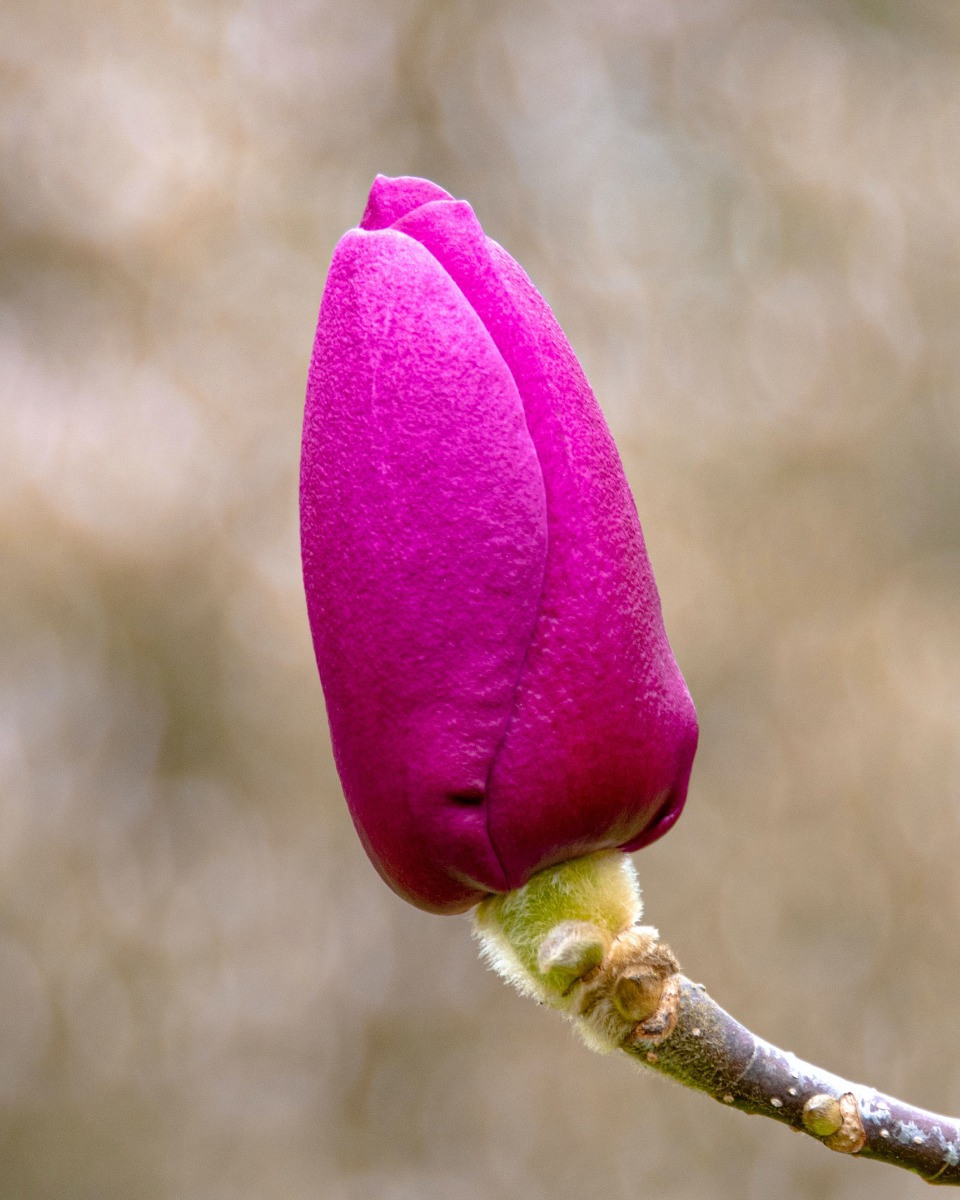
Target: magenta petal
424, 542
601, 742
500, 688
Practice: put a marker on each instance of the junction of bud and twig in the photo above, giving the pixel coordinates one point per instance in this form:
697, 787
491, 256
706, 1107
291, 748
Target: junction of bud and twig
571, 937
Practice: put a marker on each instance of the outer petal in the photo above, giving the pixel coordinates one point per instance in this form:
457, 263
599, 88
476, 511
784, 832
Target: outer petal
424, 541
600, 745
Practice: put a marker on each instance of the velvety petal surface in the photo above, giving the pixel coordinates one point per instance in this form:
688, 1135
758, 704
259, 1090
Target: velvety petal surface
502, 695
602, 735
424, 537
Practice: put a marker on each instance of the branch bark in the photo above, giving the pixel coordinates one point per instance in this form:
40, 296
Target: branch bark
571, 938
693, 1040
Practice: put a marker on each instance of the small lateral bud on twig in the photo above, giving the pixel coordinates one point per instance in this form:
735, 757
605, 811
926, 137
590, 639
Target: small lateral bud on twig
571, 937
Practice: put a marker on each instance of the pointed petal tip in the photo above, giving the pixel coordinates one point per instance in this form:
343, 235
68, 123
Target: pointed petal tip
394, 197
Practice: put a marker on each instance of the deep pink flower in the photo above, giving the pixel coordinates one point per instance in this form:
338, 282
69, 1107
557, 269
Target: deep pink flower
501, 692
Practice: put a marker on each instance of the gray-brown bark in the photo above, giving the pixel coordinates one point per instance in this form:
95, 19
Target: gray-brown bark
693, 1040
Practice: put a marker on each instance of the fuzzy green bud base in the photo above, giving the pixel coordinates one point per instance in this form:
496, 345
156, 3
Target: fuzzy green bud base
572, 939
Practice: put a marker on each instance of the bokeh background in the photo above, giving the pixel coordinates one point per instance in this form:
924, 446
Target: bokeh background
747, 217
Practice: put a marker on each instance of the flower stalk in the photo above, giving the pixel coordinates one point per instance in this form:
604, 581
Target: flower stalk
572, 939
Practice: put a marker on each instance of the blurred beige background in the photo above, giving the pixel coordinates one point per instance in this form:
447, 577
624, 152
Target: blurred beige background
747, 217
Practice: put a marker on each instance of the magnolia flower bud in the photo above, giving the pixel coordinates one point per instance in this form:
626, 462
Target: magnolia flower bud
500, 689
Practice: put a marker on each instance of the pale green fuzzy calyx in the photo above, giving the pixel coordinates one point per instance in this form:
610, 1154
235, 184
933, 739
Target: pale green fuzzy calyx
547, 934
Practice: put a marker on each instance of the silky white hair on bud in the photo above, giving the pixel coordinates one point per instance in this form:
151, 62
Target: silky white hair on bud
562, 939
